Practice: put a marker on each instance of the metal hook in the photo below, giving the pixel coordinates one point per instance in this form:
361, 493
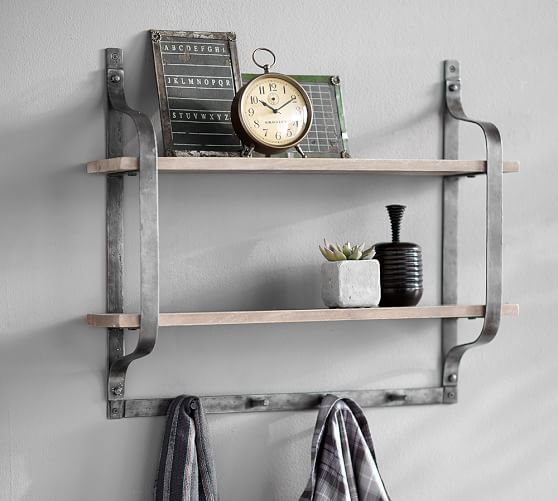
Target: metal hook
264, 67
259, 402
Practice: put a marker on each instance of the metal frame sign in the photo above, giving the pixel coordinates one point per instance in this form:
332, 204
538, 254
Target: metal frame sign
197, 78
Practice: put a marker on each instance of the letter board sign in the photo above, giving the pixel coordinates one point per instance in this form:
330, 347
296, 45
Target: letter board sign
197, 78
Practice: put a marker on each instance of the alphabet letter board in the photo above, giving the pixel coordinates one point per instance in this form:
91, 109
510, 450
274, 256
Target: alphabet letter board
197, 79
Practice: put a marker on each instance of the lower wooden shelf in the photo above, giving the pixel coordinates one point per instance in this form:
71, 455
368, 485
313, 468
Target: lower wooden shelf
132, 320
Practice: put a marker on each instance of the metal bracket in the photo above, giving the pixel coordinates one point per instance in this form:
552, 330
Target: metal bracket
494, 168
118, 361
149, 234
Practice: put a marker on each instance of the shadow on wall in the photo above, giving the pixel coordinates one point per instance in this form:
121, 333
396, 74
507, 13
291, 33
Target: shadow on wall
395, 134
52, 382
140, 88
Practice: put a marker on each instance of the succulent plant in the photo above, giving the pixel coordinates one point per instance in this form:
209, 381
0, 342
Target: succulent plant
346, 251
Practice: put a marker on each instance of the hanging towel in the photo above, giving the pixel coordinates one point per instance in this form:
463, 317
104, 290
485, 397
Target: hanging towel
343, 460
186, 468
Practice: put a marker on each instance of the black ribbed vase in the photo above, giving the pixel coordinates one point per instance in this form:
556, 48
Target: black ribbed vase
400, 265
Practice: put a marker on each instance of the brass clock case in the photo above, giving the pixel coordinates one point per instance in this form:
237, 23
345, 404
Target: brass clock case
240, 115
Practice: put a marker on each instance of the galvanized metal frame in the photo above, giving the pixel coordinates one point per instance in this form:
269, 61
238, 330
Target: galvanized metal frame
118, 361
149, 234
452, 352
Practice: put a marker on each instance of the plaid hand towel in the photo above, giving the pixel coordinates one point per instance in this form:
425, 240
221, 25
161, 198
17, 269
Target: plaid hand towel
186, 468
343, 460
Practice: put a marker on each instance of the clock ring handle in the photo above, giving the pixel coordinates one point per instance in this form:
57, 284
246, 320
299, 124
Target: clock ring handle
264, 67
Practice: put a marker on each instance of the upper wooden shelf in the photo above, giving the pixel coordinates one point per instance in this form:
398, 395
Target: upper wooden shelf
132, 320
300, 165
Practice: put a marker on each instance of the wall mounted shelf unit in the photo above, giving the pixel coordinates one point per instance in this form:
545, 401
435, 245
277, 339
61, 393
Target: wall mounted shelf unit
149, 319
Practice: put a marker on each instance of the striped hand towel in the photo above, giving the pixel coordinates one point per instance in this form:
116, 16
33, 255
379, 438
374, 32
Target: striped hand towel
186, 467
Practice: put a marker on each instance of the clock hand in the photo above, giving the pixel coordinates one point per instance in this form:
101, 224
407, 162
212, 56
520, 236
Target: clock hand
285, 104
270, 107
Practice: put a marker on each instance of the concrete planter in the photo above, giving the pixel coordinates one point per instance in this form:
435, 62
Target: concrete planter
351, 284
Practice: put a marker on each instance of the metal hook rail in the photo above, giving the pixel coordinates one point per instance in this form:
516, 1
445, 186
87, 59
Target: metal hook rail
118, 361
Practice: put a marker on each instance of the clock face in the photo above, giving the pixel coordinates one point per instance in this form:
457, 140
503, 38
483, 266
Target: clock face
275, 111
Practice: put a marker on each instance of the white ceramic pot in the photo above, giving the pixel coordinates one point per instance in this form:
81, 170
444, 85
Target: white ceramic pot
351, 284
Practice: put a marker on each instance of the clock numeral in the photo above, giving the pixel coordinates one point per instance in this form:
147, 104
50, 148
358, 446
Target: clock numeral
295, 124
278, 135
265, 132
299, 109
262, 89
289, 133
256, 124
251, 112
284, 89
272, 86
253, 100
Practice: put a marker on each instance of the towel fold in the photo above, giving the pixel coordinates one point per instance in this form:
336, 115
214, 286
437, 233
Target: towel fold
343, 460
186, 467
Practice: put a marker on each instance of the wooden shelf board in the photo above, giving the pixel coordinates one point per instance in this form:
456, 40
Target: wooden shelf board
299, 165
132, 320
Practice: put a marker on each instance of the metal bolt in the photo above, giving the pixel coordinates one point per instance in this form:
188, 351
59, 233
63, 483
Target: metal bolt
451, 394
335, 80
114, 411
453, 87
193, 405
114, 56
115, 78
452, 68
452, 378
117, 390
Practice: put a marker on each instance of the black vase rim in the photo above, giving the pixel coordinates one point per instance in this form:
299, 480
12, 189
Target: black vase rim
401, 245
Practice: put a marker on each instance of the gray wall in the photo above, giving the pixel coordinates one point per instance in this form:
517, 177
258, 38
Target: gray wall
250, 242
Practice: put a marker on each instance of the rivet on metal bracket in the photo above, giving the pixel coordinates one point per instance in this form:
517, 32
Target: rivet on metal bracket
116, 409
450, 395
